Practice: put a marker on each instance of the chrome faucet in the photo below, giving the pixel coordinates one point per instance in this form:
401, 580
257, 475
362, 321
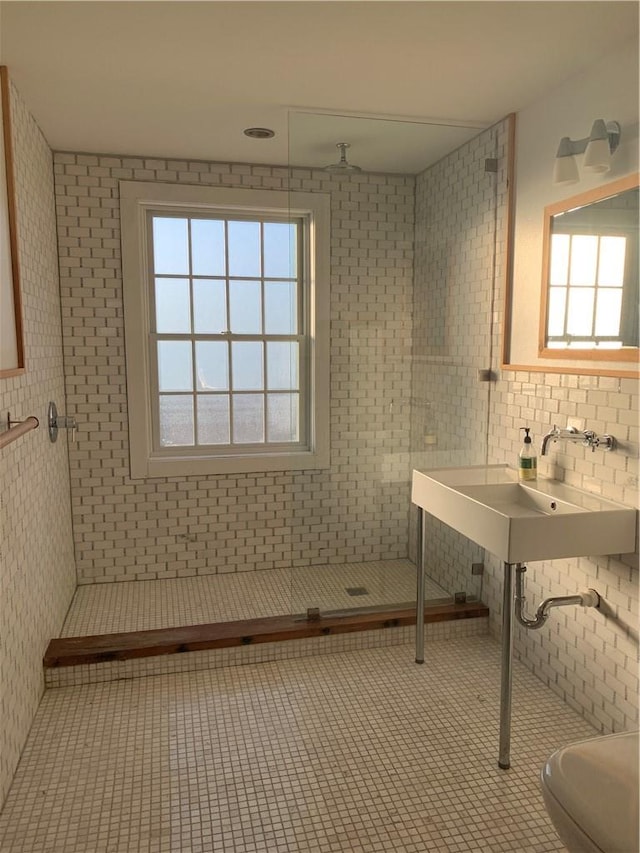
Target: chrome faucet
587, 437
553, 435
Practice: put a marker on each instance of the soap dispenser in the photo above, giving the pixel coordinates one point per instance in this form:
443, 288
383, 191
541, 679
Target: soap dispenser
527, 461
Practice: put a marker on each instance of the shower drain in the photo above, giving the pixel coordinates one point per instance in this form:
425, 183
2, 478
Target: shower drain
356, 590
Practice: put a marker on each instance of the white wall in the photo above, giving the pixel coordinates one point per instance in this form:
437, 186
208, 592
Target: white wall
607, 90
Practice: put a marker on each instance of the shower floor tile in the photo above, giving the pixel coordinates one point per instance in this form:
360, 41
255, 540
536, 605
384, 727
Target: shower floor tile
359, 751
143, 605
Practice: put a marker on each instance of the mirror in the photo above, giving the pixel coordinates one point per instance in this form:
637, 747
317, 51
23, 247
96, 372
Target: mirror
590, 304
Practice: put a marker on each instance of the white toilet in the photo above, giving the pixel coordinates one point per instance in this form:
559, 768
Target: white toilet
590, 790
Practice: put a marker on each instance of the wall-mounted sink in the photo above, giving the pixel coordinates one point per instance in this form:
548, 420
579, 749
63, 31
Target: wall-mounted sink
520, 522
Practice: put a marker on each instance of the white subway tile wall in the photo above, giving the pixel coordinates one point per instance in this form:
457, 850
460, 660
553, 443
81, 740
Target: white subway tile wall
589, 657
37, 574
358, 509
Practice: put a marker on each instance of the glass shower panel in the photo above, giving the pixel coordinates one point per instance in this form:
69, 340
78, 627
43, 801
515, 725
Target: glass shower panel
455, 338
411, 322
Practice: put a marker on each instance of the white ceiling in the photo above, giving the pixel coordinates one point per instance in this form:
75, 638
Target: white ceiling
183, 79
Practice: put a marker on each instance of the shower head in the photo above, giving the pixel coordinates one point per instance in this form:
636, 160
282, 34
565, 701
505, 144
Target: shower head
343, 166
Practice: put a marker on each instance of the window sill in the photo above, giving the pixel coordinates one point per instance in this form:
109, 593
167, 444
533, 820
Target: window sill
181, 466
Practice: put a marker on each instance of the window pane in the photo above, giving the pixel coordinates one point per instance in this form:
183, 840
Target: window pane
248, 418
557, 304
280, 308
176, 420
611, 265
209, 307
207, 247
282, 365
559, 266
282, 417
580, 314
244, 248
213, 419
212, 365
246, 366
173, 310
174, 366
584, 258
608, 312
245, 306
170, 246
279, 249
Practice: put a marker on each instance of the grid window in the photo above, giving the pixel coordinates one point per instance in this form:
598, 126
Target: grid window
226, 327
229, 332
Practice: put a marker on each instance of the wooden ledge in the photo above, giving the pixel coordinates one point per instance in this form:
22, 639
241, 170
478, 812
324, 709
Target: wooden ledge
71, 651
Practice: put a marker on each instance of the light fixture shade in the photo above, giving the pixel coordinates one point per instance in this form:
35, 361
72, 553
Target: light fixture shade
565, 170
597, 156
597, 147
565, 149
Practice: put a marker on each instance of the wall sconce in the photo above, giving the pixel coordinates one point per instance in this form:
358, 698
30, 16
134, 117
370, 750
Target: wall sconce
597, 147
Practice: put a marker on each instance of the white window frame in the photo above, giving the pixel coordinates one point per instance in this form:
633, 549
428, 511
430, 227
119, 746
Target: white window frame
137, 200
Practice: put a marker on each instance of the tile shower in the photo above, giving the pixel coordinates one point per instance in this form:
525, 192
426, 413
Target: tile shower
163, 528
357, 511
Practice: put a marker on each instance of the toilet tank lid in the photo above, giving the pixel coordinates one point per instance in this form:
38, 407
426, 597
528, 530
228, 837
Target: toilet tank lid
596, 782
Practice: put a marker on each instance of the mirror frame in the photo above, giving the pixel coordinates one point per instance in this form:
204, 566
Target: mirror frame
10, 270
625, 354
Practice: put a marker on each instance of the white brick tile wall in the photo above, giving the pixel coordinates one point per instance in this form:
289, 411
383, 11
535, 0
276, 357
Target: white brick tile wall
600, 648
37, 575
356, 510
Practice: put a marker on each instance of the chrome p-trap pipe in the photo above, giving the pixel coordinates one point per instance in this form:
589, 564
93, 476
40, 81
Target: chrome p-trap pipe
511, 602
586, 598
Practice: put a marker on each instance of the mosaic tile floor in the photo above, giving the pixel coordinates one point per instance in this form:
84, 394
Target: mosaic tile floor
143, 605
360, 751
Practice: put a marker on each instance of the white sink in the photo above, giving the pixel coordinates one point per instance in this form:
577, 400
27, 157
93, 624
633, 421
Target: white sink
519, 522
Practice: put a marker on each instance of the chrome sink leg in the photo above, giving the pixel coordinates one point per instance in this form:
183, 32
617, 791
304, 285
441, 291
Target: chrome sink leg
420, 589
504, 756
